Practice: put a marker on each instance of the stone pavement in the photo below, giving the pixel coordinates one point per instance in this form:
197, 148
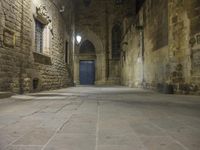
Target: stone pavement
100, 118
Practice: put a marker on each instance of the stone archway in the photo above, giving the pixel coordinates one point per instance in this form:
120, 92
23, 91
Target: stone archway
87, 63
100, 75
87, 47
87, 34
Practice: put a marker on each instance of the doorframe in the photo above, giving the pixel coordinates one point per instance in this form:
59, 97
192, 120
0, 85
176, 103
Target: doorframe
95, 68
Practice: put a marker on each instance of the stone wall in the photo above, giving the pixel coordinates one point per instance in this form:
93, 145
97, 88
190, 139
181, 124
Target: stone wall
20, 65
162, 46
193, 8
94, 22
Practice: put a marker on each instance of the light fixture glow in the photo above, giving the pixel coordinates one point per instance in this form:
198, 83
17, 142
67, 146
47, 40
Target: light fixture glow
78, 39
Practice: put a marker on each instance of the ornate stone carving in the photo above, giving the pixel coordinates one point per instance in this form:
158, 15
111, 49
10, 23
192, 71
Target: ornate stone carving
192, 41
195, 40
196, 62
43, 15
8, 38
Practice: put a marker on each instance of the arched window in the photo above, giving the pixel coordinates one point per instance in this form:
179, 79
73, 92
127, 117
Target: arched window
116, 41
87, 48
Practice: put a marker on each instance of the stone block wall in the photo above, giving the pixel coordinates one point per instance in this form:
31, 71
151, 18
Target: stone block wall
162, 46
20, 65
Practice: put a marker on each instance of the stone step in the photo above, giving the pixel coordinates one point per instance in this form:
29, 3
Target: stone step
5, 94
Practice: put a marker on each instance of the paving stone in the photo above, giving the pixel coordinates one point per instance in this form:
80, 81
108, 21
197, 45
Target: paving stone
101, 122
120, 147
80, 128
123, 140
147, 129
161, 143
72, 142
38, 136
24, 148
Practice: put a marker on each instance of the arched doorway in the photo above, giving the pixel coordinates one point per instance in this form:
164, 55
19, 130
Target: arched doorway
87, 63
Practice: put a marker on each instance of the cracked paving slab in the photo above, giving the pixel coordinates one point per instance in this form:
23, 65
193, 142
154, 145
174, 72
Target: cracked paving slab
100, 118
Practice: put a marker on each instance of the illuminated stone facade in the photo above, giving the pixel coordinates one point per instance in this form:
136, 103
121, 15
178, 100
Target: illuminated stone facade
21, 68
166, 49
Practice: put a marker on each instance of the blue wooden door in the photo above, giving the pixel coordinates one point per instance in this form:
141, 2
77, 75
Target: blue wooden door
87, 72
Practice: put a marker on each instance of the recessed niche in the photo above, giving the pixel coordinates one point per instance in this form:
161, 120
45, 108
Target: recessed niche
35, 83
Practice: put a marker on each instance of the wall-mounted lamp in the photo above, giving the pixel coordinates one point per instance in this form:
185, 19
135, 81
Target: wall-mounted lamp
78, 39
62, 9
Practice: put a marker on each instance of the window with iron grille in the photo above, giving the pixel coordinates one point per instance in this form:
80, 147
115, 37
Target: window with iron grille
116, 41
39, 28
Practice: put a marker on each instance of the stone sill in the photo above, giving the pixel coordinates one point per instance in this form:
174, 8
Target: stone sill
42, 58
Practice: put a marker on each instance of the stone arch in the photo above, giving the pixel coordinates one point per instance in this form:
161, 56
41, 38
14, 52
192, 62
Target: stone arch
2, 22
87, 47
87, 34
99, 55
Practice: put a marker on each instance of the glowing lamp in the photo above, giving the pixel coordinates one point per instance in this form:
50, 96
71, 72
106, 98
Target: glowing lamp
78, 39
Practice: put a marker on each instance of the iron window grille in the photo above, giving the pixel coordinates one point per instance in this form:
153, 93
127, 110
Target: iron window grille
116, 41
39, 29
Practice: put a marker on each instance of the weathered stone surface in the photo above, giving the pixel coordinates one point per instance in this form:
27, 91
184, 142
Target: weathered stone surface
94, 23
163, 36
103, 118
8, 38
168, 40
18, 64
